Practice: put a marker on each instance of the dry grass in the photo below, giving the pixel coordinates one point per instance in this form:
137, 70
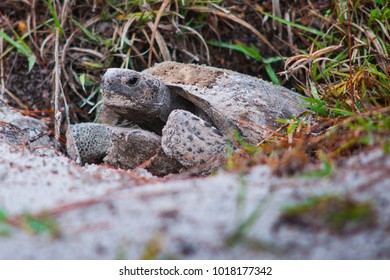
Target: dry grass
52, 54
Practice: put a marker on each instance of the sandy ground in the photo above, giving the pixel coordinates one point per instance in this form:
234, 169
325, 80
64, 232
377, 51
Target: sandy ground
103, 213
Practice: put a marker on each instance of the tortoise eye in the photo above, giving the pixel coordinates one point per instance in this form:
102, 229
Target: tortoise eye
132, 81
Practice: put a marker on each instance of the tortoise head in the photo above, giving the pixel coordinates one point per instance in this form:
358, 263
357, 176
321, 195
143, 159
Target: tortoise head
135, 95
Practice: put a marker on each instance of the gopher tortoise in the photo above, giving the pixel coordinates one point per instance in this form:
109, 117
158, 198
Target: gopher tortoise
180, 116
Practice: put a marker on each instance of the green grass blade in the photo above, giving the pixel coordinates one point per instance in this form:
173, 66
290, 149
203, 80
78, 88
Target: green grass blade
31, 61
22, 47
341, 112
238, 47
54, 15
253, 53
299, 26
271, 73
90, 34
316, 105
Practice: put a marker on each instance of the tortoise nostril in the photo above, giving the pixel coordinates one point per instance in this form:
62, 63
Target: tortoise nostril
132, 81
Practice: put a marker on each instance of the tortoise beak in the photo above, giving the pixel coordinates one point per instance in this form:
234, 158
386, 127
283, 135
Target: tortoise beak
109, 80
118, 81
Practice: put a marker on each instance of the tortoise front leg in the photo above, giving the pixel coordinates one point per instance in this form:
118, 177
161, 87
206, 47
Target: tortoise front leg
124, 147
193, 142
88, 142
131, 147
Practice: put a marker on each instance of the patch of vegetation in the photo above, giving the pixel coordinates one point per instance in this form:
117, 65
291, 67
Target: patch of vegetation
243, 159
5, 229
338, 214
337, 56
153, 248
344, 72
40, 224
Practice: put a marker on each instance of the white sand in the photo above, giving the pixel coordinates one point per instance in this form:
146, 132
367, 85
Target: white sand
106, 214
